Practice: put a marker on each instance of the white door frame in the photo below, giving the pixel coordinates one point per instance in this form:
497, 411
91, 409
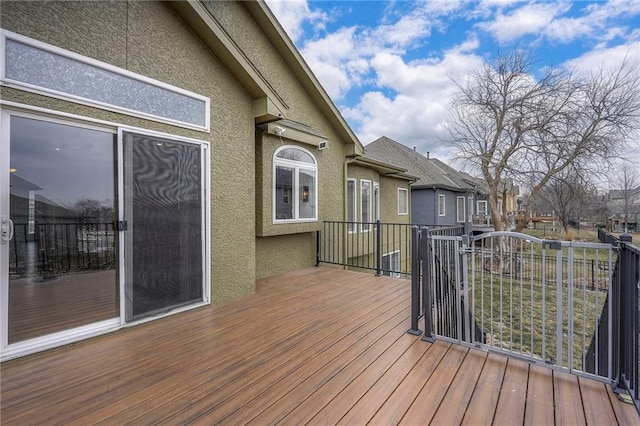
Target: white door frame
8, 109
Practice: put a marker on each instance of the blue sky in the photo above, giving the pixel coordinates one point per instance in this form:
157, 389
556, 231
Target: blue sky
389, 65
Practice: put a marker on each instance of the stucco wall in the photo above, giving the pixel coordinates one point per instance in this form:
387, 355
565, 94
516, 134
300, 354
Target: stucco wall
150, 39
388, 192
275, 239
389, 200
284, 253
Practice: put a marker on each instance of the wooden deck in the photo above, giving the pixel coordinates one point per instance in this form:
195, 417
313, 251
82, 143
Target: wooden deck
318, 346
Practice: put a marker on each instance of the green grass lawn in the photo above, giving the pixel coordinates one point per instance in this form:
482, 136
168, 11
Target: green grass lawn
517, 296
521, 315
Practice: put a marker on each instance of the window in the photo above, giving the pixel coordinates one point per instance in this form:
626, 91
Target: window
403, 201
391, 264
42, 68
482, 208
441, 205
460, 209
294, 180
470, 209
351, 204
500, 207
365, 205
376, 201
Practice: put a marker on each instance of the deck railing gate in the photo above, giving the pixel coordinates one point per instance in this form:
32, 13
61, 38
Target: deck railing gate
539, 300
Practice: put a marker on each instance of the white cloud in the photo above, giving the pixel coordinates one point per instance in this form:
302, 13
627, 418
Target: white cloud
607, 58
342, 60
337, 61
292, 14
415, 114
405, 31
528, 19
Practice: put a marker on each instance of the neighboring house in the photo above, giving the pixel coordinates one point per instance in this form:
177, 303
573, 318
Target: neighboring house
623, 207
218, 149
481, 210
377, 191
508, 193
440, 196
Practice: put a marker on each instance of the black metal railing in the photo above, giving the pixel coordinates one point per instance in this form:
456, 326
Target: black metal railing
435, 284
49, 249
381, 247
605, 237
625, 314
626, 310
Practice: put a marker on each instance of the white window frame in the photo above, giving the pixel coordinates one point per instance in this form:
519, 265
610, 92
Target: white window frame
18, 349
85, 60
461, 218
351, 226
403, 210
442, 205
365, 222
295, 196
376, 201
484, 209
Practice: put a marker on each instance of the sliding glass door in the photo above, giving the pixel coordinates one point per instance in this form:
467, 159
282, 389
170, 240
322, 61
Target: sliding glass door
163, 211
99, 227
60, 239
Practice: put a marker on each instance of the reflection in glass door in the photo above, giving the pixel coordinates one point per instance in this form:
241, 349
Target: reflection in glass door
62, 259
163, 211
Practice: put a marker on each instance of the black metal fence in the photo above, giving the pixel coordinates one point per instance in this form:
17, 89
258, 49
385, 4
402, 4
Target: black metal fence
49, 249
381, 247
626, 308
625, 314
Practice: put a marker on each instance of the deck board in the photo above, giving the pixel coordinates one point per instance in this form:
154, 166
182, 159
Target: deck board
540, 404
426, 403
318, 346
513, 394
461, 390
568, 402
594, 400
485, 396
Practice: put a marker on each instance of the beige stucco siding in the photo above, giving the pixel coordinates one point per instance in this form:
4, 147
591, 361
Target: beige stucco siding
150, 39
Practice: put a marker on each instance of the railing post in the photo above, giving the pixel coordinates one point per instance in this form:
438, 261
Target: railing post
427, 304
415, 281
627, 317
378, 233
318, 248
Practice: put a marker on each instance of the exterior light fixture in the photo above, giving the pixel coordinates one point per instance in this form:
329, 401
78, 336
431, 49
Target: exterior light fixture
305, 193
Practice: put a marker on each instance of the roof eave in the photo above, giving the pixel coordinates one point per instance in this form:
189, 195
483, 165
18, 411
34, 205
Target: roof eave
281, 41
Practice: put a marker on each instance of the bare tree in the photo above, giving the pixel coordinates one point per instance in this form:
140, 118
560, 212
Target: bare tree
567, 194
506, 123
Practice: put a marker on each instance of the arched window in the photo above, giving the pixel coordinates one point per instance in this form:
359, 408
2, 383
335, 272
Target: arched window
295, 185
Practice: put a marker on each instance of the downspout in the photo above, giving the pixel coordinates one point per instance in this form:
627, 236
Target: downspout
348, 160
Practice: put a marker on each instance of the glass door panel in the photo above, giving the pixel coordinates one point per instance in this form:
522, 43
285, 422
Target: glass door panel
62, 257
163, 206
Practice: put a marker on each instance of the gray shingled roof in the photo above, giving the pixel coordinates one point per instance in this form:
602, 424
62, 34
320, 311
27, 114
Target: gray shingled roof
430, 171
